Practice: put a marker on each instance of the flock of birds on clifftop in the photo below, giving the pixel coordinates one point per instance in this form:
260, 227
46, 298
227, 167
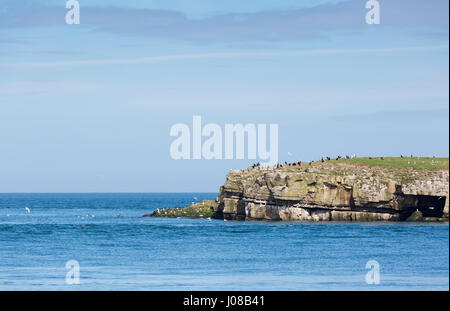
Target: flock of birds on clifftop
322, 160
299, 163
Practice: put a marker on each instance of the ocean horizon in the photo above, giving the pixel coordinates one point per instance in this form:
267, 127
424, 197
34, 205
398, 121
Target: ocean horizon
117, 249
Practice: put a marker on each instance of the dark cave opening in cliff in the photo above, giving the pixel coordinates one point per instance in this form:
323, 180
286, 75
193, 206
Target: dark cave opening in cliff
430, 205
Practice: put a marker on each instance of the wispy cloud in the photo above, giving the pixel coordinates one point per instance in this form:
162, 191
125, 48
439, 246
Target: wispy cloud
429, 115
154, 59
45, 88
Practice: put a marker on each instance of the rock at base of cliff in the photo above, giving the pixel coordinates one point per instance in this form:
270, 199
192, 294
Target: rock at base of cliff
303, 214
362, 216
415, 216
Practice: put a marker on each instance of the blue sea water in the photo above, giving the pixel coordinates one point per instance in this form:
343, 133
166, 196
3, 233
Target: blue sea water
119, 250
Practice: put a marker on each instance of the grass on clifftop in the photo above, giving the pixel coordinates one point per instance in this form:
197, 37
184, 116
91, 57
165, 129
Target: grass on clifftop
420, 163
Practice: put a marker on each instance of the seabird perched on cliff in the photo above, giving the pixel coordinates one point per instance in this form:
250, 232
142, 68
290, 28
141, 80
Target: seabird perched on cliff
299, 162
347, 157
328, 158
321, 160
401, 156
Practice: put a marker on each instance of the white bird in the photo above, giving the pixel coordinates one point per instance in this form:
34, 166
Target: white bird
27, 209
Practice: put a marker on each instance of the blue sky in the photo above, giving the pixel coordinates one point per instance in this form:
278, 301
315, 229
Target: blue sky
88, 108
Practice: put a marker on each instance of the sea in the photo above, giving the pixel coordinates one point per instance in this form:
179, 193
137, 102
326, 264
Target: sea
101, 241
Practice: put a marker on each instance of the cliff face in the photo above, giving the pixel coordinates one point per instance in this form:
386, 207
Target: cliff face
334, 190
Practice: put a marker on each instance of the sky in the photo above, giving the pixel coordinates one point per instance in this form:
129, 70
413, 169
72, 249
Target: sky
89, 107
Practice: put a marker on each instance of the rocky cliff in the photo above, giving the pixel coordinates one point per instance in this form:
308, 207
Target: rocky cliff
364, 189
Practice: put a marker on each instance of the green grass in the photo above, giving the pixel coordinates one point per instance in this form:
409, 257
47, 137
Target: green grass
202, 209
419, 163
